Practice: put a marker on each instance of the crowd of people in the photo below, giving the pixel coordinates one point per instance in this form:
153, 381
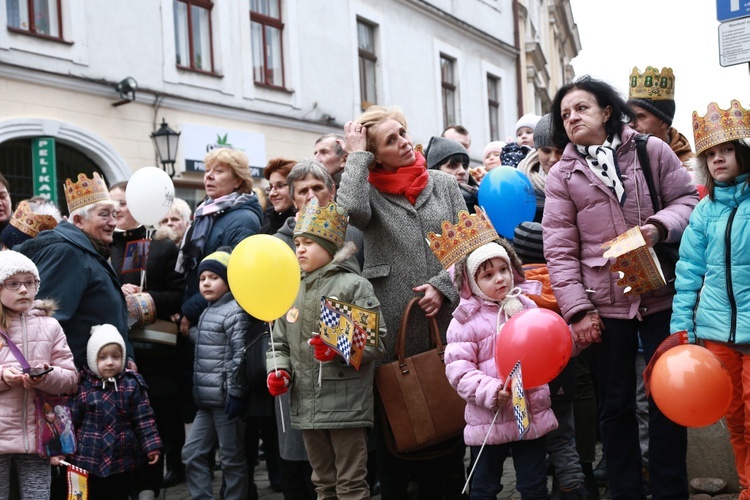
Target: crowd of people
79, 305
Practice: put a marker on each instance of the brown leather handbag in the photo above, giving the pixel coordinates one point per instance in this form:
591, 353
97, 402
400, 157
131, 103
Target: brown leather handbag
421, 407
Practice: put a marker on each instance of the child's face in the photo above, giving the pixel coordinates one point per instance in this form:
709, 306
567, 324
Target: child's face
525, 137
109, 360
212, 286
494, 278
456, 169
310, 255
20, 299
722, 162
492, 160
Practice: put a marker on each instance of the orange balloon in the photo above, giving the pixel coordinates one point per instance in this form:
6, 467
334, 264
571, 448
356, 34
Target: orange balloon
691, 386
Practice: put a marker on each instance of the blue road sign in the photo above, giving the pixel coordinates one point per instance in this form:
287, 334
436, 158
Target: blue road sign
732, 9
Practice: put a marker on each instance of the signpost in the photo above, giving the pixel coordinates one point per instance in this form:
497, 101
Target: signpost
44, 167
732, 9
734, 42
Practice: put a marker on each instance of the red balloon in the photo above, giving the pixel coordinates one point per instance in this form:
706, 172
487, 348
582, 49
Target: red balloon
691, 386
541, 339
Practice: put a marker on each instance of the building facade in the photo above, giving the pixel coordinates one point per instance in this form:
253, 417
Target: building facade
95, 79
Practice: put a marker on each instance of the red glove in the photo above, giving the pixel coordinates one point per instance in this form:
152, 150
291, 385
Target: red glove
322, 351
278, 382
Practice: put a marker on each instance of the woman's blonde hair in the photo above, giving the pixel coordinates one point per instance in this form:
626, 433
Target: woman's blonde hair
234, 159
375, 115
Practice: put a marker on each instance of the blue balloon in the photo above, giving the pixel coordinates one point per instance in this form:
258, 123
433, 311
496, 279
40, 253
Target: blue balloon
507, 197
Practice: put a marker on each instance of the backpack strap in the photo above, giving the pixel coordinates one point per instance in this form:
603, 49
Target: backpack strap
640, 145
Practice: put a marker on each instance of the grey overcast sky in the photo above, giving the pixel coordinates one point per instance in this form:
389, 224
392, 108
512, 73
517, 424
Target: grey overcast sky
682, 34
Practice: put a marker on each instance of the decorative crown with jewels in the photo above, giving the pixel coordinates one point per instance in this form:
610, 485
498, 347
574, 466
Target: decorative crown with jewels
85, 192
720, 125
652, 84
460, 239
328, 222
31, 219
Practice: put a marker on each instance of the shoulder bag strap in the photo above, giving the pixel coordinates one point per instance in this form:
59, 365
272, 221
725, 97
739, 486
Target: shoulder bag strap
16, 352
640, 145
401, 338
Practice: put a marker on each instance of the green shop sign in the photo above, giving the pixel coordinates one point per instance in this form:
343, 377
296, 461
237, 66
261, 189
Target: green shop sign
44, 167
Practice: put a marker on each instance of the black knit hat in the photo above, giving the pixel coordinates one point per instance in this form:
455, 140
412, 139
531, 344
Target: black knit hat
528, 244
663, 109
543, 132
440, 149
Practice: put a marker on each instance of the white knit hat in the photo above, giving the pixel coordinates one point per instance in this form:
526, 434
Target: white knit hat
510, 304
13, 262
528, 120
102, 335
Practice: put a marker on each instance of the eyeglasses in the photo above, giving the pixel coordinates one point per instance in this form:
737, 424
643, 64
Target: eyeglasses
277, 187
15, 285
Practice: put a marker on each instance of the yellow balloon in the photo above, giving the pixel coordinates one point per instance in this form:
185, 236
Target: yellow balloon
264, 276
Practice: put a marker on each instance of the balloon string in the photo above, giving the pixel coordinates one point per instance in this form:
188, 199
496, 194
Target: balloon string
476, 461
276, 372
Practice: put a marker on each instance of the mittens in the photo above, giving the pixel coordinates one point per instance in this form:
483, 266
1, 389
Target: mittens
234, 407
322, 351
278, 382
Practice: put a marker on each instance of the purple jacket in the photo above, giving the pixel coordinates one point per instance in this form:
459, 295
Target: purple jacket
471, 370
581, 214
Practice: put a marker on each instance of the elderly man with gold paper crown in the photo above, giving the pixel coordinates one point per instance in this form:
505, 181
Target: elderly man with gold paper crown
651, 97
73, 266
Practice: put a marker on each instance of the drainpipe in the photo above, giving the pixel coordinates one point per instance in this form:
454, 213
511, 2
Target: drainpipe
521, 53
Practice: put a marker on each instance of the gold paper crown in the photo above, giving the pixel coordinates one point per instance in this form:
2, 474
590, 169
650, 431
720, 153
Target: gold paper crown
652, 84
85, 192
30, 223
462, 238
328, 222
720, 125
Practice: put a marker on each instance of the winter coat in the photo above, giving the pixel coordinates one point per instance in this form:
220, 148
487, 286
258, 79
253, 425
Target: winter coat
230, 227
114, 422
680, 145
397, 257
272, 220
219, 340
470, 367
163, 283
532, 168
581, 214
81, 282
344, 398
713, 273
41, 340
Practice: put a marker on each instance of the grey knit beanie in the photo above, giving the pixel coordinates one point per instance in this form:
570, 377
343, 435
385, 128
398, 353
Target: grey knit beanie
543, 132
439, 149
528, 243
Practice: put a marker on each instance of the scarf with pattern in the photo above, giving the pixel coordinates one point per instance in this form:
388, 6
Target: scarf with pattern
602, 162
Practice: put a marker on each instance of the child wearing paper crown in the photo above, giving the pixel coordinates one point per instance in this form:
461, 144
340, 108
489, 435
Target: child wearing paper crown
219, 339
111, 413
29, 325
485, 279
331, 401
713, 274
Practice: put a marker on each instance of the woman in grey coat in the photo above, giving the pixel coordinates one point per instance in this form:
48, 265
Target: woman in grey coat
396, 201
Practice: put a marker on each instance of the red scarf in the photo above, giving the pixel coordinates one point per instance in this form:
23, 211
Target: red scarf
408, 181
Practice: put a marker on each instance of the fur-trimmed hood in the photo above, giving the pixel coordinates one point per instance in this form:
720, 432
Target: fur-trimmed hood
47, 306
349, 249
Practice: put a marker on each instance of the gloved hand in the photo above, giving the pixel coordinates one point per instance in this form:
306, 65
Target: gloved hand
234, 407
278, 382
322, 351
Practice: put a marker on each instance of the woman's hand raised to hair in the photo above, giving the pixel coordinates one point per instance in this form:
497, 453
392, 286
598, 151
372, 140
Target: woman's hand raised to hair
356, 136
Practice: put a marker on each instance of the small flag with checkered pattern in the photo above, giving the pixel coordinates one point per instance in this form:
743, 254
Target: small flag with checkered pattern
348, 329
519, 400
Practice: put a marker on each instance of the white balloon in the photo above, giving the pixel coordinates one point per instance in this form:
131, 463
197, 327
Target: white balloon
149, 194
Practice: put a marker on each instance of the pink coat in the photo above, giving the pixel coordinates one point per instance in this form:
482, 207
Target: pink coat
41, 340
470, 366
581, 213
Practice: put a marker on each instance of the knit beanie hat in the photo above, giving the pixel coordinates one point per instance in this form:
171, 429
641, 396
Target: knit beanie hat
102, 335
493, 146
217, 263
510, 304
528, 244
13, 262
543, 132
528, 120
440, 149
663, 109
512, 154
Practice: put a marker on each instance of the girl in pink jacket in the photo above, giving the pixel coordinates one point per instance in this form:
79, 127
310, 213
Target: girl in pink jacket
28, 326
488, 299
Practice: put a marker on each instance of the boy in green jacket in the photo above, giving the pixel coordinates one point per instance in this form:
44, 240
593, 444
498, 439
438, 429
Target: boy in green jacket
331, 399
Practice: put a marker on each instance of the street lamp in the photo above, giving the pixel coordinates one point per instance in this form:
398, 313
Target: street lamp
165, 141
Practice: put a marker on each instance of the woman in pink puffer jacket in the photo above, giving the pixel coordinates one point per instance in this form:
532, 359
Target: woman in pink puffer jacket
30, 327
488, 299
